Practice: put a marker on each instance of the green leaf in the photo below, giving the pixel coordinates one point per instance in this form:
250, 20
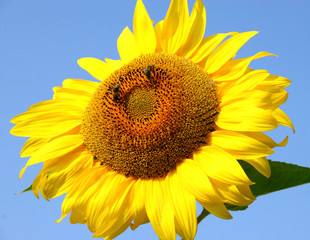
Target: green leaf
26, 190
283, 176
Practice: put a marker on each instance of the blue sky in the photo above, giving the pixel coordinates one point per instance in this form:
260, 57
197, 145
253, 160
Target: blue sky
39, 45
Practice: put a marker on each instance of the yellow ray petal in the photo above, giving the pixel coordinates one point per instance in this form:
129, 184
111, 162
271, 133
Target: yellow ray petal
109, 210
160, 210
278, 98
95, 67
208, 45
56, 183
95, 203
236, 68
218, 210
220, 165
36, 185
115, 63
143, 29
261, 165
32, 145
120, 230
239, 117
76, 98
283, 119
138, 204
263, 138
195, 30
80, 84
47, 125
158, 32
49, 107
41, 105
239, 195
127, 47
274, 83
184, 206
174, 26
55, 148
82, 190
247, 82
191, 175
239, 145
255, 98
59, 165
226, 51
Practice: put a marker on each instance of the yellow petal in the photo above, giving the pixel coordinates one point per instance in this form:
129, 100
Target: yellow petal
283, 119
56, 183
81, 193
184, 206
238, 116
49, 107
121, 229
274, 83
239, 145
174, 26
158, 32
55, 163
76, 98
278, 98
220, 165
143, 29
247, 82
226, 51
46, 125
109, 209
138, 205
218, 210
191, 175
261, 165
95, 67
195, 30
36, 185
236, 68
55, 148
115, 63
80, 84
32, 145
263, 138
127, 47
159, 209
253, 98
231, 194
208, 45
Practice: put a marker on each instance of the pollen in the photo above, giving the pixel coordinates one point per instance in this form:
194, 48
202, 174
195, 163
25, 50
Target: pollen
150, 115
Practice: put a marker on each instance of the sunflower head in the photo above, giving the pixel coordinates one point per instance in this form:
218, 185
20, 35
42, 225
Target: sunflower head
150, 115
163, 128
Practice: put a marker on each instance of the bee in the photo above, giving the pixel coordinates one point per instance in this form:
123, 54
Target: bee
147, 71
115, 90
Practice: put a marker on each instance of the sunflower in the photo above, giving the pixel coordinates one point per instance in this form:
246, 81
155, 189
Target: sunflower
163, 128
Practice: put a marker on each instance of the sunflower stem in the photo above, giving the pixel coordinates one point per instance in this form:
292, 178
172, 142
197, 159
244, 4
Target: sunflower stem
202, 215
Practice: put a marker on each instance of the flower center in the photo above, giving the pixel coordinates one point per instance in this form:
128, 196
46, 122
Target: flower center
149, 115
140, 103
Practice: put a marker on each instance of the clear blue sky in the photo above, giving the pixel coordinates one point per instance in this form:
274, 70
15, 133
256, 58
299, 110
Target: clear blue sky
40, 42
